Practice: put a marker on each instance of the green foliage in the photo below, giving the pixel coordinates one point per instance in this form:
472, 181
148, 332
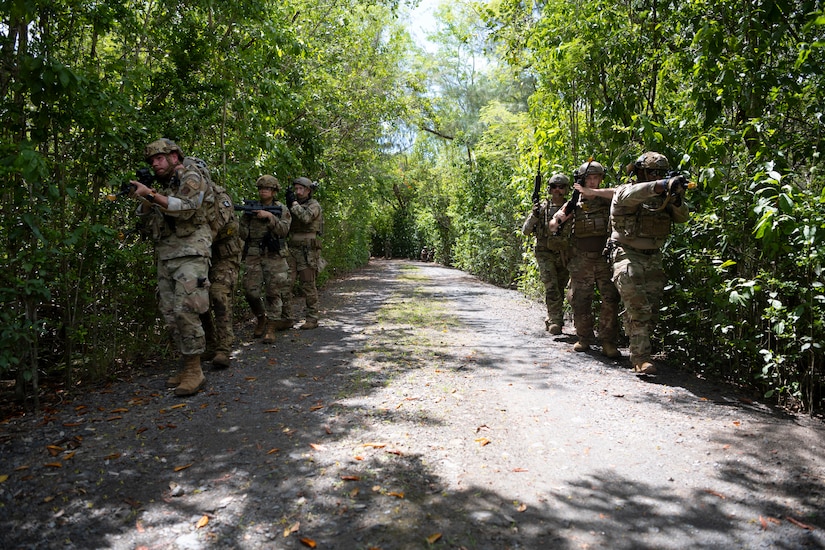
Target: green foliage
731, 94
257, 87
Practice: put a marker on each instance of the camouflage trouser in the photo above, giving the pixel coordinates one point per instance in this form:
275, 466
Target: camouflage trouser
589, 270
267, 279
183, 294
641, 281
554, 275
303, 265
217, 322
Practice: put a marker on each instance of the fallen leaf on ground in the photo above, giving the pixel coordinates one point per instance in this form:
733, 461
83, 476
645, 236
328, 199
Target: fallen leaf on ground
54, 450
375, 445
397, 495
432, 539
54, 465
276, 409
292, 528
799, 523
21, 468
122, 410
316, 407
351, 478
395, 452
482, 441
714, 493
316, 446
202, 522
308, 542
520, 470
4, 477
178, 406
521, 507
270, 451
185, 466
113, 456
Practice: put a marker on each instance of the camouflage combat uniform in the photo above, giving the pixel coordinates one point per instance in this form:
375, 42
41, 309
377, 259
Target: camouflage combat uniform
267, 269
183, 247
223, 276
305, 252
639, 229
551, 256
590, 269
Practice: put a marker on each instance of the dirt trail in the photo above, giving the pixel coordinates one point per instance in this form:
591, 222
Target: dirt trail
429, 410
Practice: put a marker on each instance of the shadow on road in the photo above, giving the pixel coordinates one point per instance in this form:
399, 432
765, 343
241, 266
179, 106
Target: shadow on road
323, 439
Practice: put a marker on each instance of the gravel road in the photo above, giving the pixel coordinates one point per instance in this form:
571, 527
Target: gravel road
429, 410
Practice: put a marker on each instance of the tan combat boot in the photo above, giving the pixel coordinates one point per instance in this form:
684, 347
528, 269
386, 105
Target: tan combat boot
610, 350
174, 380
581, 345
258, 310
260, 328
644, 367
309, 324
554, 329
269, 337
284, 324
191, 380
221, 360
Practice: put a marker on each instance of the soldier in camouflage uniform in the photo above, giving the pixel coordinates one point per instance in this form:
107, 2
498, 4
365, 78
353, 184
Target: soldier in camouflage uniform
223, 274
176, 219
266, 280
304, 246
642, 215
589, 268
551, 251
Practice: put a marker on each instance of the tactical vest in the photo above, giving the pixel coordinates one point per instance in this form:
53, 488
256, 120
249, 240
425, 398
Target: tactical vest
647, 222
592, 218
551, 241
315, 226
165, 225
259, 237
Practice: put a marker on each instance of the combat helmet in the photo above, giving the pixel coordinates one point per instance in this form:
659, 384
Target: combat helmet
558, 180
268, 182
306, 182
652, 162
590, 167
162, 146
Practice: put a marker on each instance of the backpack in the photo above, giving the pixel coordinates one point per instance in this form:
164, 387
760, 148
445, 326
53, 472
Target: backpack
221, 211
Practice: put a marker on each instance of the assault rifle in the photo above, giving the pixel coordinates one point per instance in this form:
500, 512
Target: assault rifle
537, 185
143, 175
570, 205
676, 189
249, 208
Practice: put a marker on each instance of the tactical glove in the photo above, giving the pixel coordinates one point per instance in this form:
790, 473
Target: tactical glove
290, 197
677, 185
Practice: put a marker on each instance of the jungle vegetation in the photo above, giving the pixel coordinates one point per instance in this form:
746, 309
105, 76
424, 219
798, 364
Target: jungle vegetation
417, 145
